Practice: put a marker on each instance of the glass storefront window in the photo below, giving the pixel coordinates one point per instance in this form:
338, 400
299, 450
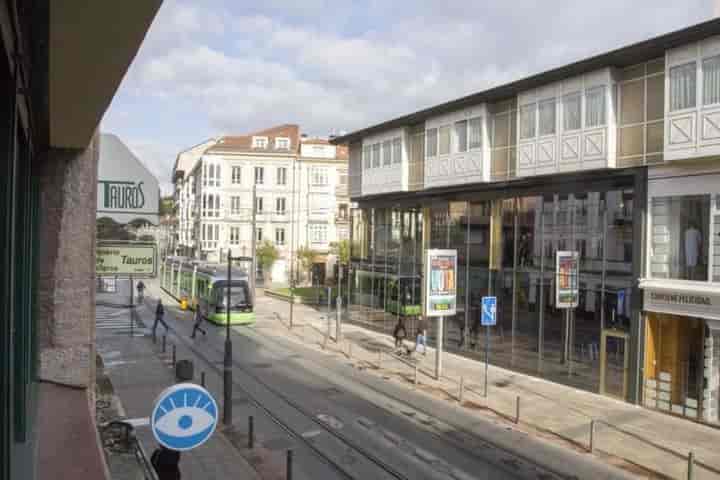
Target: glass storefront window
506, 248
680, 237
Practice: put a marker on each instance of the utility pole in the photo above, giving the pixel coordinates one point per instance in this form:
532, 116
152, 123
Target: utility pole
292, 246
253, 245
227, 362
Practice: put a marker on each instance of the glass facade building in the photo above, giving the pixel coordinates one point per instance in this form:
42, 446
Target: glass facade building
506, 243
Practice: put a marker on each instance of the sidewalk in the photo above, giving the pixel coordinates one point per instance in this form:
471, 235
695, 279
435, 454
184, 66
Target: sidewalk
138, 374
655, 441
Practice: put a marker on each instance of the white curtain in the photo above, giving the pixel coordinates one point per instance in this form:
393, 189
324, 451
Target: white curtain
527, 121
595, 107
571, 112
475, 132
547, 117
682, 86
711, 81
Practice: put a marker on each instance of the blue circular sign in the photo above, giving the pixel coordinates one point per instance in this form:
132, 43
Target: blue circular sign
184, 416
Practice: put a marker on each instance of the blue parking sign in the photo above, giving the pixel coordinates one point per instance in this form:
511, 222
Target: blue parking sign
489, 311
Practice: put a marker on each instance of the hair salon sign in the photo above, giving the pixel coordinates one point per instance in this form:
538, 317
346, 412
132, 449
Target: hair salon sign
127, 190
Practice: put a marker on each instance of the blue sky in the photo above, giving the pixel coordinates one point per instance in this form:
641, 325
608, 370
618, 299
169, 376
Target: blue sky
215, 67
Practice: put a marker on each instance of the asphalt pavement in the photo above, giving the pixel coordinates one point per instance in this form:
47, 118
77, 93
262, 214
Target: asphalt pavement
343, 423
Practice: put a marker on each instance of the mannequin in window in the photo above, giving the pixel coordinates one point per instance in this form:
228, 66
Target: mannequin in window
693, 248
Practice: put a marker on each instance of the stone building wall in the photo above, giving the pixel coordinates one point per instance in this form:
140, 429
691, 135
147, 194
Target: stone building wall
66, 290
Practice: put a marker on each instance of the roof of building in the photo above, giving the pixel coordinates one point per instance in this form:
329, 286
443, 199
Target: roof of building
621, 57
186, 160
243, 143
341, 151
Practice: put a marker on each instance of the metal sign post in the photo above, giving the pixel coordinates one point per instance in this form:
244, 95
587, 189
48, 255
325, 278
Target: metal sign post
567, 295
441, 293
227, 361
488, 318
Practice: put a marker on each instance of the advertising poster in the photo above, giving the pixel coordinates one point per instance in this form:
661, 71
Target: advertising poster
441, 283
566, 281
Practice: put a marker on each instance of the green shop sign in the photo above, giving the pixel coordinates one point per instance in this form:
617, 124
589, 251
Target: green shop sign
136, 259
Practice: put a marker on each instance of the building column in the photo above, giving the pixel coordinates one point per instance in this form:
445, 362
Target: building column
711, 373
66, 287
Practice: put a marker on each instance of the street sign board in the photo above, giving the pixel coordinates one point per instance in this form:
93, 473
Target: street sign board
489, 311
566, 279
441, 283
124, 259
184, 417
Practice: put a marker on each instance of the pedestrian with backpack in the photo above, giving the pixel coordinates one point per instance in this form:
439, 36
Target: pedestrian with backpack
159, 317
199, 317
166, 463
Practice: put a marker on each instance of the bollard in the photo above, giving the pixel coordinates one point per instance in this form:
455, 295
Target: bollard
164, 343
202, 379
592, 435
173, 356
288, 465
691, 466
416, 374
517, 410
251, 433
462, 387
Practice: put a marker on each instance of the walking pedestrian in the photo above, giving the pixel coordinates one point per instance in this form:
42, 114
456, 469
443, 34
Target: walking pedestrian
141, 291
199, 317
421, 338
399, 333
159, 314
166, 463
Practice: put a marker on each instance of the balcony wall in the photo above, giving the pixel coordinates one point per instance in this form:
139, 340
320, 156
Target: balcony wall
692, 132
568, 150
458, 167
386, 178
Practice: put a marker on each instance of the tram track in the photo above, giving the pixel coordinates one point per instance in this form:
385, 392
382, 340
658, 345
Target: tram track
507, 456
388, 470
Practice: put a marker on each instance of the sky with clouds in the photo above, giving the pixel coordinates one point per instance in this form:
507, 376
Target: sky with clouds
214, 67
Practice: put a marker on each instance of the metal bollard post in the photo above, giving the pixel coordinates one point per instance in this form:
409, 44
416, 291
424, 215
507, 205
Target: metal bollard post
251, 433
288, 465
592, 435
174, 357
202, 379
517, 410
164, 341
691, 466
462, 387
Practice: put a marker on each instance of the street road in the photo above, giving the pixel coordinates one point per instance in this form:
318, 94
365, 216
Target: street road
340, 421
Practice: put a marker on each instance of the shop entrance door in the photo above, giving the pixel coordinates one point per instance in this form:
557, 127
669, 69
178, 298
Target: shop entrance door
614, 363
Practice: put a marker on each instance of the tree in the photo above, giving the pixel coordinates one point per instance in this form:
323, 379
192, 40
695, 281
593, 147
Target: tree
342, 250
306, 256
266, 254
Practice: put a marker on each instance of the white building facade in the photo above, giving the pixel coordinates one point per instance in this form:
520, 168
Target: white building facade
300, 190
615, 157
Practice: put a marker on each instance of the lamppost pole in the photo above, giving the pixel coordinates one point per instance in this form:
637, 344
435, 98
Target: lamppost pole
227, 362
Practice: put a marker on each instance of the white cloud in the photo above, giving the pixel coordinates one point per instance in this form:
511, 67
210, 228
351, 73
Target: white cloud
338, 65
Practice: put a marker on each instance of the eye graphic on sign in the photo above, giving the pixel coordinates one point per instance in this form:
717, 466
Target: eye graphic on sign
184, 417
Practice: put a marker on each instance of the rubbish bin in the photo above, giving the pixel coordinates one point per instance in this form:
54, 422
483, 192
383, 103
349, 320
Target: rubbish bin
184, 371
183, 303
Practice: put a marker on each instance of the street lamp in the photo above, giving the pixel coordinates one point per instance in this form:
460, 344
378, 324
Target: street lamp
227, 362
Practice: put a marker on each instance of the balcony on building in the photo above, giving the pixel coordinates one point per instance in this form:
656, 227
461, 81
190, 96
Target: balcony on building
384, 163
456, 148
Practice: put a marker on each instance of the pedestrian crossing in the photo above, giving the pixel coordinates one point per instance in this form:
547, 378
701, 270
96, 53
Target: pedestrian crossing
113, 319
